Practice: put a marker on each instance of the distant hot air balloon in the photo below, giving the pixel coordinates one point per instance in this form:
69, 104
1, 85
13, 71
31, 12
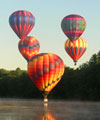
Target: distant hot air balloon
22, 23
77, 49
46, 70
29, 47
73, 26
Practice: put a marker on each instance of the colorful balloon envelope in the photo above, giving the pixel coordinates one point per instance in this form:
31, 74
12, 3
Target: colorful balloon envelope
29, 47
22, 22
77, 49
46, 70
73, 26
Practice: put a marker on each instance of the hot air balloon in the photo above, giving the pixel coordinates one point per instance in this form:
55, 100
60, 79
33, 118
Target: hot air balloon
77, 49
22, 22
73, 26
29, 47
46, 70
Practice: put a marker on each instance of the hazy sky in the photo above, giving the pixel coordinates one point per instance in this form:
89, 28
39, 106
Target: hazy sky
48, 16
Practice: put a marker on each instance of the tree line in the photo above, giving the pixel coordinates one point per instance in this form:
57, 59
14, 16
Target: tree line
82, 83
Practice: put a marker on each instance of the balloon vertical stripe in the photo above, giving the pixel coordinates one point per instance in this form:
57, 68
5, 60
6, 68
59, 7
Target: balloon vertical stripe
82, 48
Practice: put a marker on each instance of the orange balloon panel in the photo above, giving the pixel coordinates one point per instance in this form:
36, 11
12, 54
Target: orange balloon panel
46, 70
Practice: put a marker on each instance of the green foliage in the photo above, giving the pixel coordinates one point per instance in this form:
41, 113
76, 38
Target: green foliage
82, 83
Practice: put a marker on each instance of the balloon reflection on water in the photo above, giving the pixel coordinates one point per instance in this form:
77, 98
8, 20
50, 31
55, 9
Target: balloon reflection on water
46, 115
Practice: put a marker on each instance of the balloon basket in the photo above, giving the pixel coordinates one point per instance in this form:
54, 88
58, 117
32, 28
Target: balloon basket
45, 94
45, 100
75, 64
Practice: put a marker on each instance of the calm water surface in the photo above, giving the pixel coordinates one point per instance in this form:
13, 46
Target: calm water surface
56, 110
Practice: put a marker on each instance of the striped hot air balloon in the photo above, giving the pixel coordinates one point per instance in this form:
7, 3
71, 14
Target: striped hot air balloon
22, 22
29, 47
76, 50
73, 26
46, 70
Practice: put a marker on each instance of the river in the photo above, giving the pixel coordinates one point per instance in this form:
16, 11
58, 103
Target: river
12, 109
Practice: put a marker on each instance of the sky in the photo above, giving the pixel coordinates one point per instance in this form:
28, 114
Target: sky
48, 16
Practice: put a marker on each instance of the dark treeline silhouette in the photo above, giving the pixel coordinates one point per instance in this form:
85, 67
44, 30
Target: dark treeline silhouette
82, 83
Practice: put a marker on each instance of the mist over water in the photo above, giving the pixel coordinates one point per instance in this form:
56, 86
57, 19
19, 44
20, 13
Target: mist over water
56, 110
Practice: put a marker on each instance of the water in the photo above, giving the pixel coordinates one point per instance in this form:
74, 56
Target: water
56, 110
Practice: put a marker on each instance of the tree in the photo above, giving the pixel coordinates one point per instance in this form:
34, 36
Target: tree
98, 58
93, 60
